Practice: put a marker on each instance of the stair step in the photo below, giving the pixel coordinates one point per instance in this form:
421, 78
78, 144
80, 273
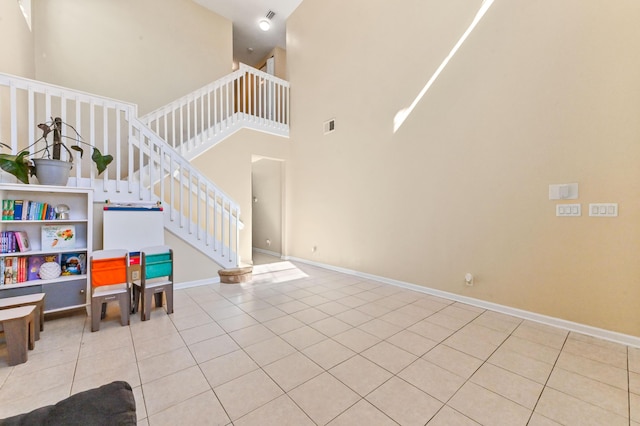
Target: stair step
235, 275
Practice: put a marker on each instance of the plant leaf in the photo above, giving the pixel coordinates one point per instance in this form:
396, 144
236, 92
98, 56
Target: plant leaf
16, 165
102, 161
79, 149
45, 129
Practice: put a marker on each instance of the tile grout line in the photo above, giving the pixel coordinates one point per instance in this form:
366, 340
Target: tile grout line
327, 286
468, 380
628, 386
533, 411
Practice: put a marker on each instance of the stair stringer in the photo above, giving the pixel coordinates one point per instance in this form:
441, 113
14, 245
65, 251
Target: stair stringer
174, 222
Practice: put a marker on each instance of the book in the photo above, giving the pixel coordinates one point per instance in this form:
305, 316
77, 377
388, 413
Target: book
42, 211
58, 236
22, 269
35, 214
17, 209
10, 210
25, 209
10, 270
5, 209
32, 207
7, 242
73, 263
22, 240
33, 267
14, 271
11, 241
8, 265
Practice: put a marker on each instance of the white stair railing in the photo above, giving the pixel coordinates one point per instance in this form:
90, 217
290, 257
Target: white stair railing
246, 98
201, 213
195, 208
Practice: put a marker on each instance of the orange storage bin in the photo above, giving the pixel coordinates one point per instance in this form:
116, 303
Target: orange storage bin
108, 272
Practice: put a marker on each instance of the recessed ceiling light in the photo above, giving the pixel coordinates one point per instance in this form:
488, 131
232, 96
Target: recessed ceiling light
264, 24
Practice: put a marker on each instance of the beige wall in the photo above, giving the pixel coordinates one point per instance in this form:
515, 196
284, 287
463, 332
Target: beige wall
17, 46
228, 164
267, 190
16, 58
541, 93
131, 50
279, 56
190, 264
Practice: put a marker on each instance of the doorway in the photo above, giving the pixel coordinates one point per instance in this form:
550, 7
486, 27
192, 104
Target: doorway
267, 193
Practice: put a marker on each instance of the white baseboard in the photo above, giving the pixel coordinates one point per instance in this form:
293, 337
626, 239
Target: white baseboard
624, 339
270, 253
196, 283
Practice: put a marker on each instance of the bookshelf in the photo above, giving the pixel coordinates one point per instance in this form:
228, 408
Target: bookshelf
66, 240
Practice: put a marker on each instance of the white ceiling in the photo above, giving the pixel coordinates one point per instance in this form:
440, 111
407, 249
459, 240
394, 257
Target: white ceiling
245, 15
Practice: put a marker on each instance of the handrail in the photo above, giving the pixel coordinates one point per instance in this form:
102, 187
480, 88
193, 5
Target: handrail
145, 167
246, 97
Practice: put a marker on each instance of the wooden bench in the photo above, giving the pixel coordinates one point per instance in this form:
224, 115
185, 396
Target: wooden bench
18, 325
36, 300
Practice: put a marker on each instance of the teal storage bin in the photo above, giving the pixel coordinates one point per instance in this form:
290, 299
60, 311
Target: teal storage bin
158, 265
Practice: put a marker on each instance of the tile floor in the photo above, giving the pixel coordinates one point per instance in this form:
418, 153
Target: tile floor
301, 345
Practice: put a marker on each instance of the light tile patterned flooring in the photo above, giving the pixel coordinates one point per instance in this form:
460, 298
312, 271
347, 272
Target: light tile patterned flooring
301, 345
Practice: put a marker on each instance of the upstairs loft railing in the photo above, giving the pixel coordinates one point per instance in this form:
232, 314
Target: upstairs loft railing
144, 168
245, 98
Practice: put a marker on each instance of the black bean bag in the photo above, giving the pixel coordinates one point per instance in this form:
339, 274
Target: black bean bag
109, 405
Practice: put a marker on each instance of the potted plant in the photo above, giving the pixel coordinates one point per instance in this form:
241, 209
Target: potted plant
24, 163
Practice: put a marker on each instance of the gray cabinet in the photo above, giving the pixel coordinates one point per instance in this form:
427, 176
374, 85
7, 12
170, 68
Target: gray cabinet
8, 291
63, 294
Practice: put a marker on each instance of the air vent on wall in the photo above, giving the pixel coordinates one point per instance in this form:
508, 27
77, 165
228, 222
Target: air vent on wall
270, 14
329, 126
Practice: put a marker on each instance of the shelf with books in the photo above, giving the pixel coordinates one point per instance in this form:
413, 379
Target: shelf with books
58, 231
39, 281
40, 252
43, 235
54, 221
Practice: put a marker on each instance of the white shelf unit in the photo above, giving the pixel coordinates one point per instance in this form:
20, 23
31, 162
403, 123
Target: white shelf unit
65, 292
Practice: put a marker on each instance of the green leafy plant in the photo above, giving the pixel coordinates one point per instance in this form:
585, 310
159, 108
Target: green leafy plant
21, 166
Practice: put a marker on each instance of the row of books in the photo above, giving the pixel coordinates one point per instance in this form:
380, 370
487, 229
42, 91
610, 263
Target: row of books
54, 237
20, 269
27, 210
14, 270
14, 241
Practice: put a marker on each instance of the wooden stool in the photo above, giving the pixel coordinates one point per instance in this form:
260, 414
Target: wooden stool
18, 325
36, 300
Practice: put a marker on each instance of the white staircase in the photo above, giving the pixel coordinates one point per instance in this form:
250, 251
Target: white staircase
246, 98
152, 153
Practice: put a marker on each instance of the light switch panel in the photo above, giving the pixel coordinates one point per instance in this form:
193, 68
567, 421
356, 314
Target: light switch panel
568, 210
603, 209
563, 191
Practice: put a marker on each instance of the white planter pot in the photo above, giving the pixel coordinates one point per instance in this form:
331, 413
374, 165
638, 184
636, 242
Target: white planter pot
52, 172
